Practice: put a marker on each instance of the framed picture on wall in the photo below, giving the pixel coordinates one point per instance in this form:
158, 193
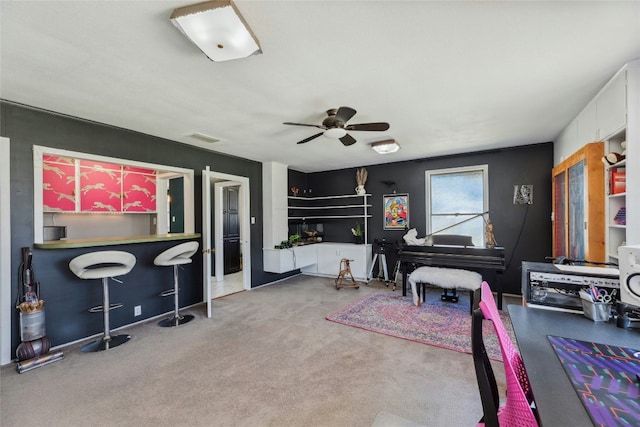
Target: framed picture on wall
396, 211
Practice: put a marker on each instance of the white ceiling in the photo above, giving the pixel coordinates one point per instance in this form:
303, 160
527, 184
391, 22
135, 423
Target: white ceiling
449, 77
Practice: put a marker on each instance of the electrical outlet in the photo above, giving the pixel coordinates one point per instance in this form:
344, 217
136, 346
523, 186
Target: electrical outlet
137, 310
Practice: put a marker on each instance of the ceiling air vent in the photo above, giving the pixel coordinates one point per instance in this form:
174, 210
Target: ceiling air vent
204, 138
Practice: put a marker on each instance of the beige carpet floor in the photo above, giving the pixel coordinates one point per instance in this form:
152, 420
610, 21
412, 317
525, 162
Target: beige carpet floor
267, 357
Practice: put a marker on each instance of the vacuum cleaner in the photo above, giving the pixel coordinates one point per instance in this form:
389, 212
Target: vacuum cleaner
33, 351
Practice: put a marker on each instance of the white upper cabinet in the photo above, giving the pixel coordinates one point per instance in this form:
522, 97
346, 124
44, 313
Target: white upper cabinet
567, 143
588, 125
611, 106
603, 116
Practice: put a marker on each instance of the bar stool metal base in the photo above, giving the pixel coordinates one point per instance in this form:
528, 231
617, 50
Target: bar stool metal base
176, 320
105, 344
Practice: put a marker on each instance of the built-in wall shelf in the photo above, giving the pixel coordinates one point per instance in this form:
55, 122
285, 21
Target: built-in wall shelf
341, 196
327, 207
329, 217
342, 206
616, 195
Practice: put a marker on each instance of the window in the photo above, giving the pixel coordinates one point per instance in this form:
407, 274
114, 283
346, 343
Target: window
456, 199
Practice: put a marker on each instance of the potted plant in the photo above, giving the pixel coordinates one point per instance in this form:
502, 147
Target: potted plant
358, 233
294, 238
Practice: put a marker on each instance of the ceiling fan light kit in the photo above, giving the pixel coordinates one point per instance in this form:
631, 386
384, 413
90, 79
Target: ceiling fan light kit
218, 29
335, 126
385, 147
335, 133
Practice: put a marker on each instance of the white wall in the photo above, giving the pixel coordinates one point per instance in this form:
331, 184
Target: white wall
275, 203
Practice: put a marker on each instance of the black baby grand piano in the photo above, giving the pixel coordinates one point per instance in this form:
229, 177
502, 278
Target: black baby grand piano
465, 257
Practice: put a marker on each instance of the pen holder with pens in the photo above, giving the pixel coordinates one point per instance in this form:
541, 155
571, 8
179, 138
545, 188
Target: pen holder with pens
596, 304
596, 311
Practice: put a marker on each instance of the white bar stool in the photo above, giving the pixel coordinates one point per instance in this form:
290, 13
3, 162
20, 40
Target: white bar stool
103, 265
176, 256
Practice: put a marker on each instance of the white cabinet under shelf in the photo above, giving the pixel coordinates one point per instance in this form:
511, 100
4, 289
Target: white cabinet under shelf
320, 259
284, 260
330, 254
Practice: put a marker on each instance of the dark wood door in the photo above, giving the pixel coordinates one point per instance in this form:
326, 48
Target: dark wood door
231, 230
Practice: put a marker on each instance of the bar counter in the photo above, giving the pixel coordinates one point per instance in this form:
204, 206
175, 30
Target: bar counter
68, 298
110, 241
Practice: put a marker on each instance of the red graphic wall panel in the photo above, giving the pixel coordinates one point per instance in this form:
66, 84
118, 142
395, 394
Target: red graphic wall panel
58, 184
100, 187
139, 190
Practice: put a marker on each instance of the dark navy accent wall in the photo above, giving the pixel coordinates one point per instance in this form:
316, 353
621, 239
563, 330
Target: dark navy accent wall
529, 164
66, 309
67, 297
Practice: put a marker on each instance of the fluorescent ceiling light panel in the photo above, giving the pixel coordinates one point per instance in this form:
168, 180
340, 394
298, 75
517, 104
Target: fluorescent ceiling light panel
385, 147
218, 29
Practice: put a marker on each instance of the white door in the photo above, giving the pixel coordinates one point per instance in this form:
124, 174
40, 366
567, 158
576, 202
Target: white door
208, 177
206, 238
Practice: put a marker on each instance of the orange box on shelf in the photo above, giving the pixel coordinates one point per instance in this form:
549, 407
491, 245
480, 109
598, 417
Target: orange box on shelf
618, 180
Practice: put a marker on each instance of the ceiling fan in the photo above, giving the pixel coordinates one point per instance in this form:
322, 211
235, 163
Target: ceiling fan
335, 126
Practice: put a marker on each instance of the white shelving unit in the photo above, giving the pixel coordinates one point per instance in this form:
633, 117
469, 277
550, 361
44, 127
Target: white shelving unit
616, 231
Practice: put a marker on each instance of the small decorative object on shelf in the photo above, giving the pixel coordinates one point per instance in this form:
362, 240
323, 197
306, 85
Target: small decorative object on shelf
490, 240
361, 180
613, 157
621, 216
295, 191
618, 180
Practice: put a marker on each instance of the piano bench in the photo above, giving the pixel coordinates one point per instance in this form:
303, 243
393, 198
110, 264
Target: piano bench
450, 279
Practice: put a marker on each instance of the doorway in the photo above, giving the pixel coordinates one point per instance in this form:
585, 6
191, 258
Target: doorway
228, 233
231, 230
225, 235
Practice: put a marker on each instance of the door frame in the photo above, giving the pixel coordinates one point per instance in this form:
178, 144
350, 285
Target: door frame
6, 305
223, 180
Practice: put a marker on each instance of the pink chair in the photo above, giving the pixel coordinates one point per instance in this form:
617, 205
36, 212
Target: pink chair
517, 410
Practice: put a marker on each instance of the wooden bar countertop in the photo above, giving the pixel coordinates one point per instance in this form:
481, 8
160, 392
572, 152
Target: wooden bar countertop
109, 241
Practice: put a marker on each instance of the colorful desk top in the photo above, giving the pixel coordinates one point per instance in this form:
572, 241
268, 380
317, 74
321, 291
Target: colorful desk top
605, 379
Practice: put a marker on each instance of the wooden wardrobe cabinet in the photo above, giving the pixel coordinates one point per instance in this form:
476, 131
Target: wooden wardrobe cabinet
578, 205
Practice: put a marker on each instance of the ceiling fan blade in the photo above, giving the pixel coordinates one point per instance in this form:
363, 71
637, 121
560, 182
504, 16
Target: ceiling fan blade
381, 126
304, 124
310, 138
344, 114
347, 140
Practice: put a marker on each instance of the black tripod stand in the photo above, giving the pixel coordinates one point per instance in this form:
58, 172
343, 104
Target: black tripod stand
381, 257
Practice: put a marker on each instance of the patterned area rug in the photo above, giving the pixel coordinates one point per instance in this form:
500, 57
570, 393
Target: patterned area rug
437, 323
